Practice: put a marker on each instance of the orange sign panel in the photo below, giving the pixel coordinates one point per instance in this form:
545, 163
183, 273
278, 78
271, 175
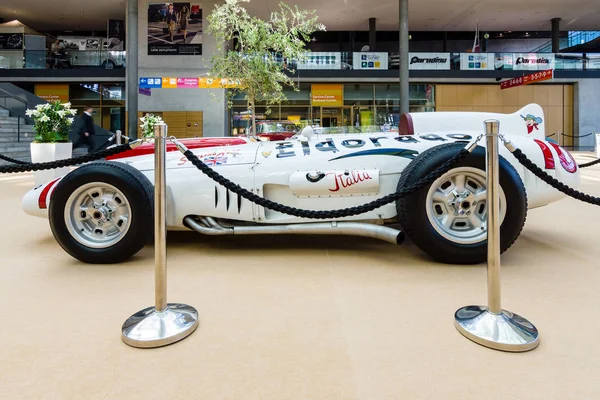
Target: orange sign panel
53, 92
327, 95
169, 83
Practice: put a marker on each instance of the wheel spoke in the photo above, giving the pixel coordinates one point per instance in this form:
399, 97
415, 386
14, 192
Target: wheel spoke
439, 196
448, 220
83, 214
475, 221
459, 183
121, 223
96, 195
480, 195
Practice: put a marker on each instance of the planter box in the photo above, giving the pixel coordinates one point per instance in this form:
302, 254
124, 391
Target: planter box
44, 152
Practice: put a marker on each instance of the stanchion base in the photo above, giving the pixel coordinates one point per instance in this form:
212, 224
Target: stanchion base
505, 331
150, 329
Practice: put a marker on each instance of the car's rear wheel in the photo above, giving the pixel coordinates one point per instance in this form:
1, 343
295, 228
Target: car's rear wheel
448, 219
102, 213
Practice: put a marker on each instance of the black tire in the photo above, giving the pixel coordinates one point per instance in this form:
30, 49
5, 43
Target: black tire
139, 193
413, 217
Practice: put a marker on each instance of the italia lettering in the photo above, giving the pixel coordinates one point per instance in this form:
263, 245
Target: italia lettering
348, 179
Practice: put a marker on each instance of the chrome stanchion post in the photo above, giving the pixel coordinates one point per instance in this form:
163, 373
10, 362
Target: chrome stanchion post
118, 135
492, 326
165, 323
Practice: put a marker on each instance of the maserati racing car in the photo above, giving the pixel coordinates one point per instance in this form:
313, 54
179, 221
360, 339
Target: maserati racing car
102, 212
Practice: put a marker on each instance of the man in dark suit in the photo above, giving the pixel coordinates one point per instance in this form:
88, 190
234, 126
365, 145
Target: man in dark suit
86, 131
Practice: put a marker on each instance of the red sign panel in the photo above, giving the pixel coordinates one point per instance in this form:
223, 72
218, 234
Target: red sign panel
527, 79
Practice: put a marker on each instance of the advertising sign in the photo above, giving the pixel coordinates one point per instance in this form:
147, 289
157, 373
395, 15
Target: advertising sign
321, 60
174, 29
11, 41
532, 61
429, 61
527, 79
52, 92
370, 60
116, 35
477, 61
327, 95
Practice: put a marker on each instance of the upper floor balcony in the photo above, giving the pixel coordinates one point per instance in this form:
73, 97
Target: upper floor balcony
24, 63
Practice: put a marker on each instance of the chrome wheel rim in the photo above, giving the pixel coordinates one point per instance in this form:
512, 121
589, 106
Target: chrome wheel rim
457, 205
98, 215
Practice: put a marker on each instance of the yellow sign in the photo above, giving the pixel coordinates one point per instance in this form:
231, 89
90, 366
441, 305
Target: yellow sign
327, 95
169, 83
52, 92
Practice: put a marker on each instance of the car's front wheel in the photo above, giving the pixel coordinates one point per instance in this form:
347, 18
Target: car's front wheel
448, 219
102, 213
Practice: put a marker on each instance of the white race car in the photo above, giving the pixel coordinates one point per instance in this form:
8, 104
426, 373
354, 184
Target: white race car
102, 212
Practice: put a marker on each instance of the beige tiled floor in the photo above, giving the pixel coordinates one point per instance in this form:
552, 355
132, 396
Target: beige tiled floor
299, 318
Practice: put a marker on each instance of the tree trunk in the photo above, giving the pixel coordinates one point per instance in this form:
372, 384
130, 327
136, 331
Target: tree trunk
253, 115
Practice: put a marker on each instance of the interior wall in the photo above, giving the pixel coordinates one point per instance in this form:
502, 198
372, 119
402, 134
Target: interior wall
211, 102
556, 101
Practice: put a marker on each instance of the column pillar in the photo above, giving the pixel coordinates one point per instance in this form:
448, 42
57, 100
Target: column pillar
372, 33
403, 67
555, 35
132, 79
445, 42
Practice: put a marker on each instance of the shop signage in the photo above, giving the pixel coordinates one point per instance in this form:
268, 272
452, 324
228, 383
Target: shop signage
327, 95
145, 91
477, 61
169, 83
11, 41
52, 92
532, 61
527, 79
370, 60
151, 83
321, 60
429, 61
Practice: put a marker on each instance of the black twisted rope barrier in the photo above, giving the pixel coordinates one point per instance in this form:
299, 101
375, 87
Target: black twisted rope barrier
313, 214
13, 160
589, 164
577, 137
27, 167
555, 183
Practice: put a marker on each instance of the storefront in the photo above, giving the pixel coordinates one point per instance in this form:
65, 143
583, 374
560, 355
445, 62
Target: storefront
335, 105
107, 99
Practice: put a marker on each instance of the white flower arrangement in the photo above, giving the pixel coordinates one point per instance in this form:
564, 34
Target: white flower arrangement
148, 122
52, 121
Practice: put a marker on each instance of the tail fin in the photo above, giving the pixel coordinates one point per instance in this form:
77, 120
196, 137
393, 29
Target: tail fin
533, 121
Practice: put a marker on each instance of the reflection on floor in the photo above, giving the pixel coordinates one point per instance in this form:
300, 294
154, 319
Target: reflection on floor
299, 317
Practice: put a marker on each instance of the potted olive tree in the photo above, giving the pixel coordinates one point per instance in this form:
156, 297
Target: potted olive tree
51, 142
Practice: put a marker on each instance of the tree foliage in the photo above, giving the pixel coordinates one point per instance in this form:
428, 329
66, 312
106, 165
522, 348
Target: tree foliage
257, 52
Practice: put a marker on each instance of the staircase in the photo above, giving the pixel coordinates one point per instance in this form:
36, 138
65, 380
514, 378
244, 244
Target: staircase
11, 143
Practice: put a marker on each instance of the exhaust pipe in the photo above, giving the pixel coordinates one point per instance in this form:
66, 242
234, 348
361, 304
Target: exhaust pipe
208, 226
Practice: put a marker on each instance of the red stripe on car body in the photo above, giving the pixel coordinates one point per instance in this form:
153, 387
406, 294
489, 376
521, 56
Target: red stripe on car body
43, 200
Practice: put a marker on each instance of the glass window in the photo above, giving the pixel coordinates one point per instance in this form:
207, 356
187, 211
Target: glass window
358, 94
113, 94
85, 94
